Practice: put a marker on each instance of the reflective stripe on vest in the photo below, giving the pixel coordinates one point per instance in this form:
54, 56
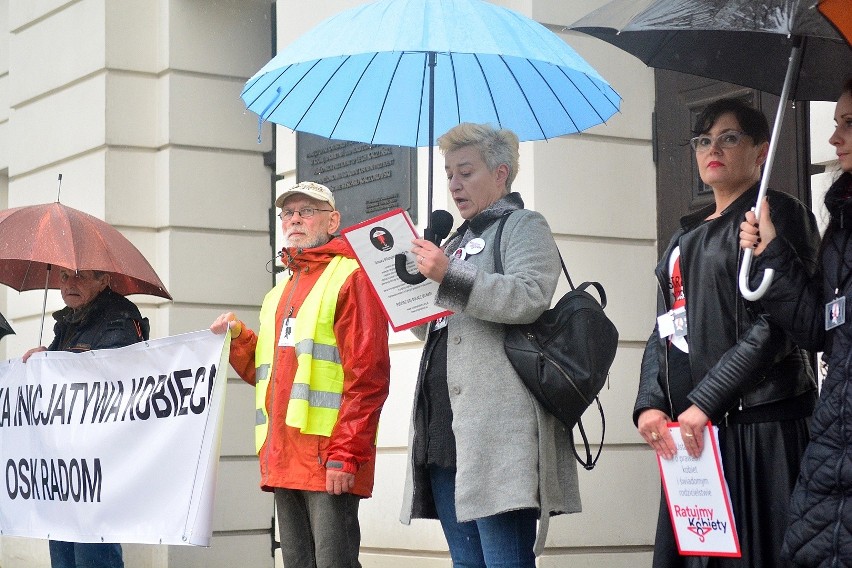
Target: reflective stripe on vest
264, 352
318, 384
266, 345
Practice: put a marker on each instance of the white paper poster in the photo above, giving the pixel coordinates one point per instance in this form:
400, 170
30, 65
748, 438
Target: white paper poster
114, 445
376, 242
698, 499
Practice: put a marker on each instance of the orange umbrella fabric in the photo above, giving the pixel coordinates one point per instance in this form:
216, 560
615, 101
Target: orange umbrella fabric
839, 13
36, 240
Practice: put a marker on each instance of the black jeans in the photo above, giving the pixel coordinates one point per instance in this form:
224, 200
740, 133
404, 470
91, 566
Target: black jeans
318, 530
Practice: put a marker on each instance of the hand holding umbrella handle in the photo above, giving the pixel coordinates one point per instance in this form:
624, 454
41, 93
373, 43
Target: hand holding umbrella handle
768, 274
748, 293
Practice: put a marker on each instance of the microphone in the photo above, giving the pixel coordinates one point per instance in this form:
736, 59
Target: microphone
440, 223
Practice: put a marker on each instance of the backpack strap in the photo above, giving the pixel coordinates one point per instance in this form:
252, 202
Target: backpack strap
498, 261
589, 462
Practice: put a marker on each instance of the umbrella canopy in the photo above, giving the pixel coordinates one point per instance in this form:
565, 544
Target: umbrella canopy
784, 47
364, 75
37, 240
746, 42
839, 13
5, 328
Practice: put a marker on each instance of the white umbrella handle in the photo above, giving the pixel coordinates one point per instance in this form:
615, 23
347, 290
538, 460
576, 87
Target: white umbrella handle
745, 268
792, 66
768, 274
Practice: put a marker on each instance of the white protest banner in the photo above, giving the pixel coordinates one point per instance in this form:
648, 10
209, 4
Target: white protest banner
115, 445
698, 498
376, 242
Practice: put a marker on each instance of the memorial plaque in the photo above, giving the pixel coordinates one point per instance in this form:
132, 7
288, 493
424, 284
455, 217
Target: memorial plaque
366, 179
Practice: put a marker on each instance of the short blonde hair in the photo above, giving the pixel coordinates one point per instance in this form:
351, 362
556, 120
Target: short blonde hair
496, 146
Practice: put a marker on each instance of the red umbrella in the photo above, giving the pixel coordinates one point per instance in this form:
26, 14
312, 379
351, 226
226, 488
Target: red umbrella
38, 238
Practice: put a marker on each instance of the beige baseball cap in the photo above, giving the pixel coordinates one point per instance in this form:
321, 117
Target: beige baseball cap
309, 188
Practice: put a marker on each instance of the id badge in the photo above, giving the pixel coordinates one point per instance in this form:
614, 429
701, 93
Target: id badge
835, 313
440, 323
665, 325
679, 320
286, 337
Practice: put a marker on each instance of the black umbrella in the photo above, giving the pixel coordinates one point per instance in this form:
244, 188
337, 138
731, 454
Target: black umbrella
784, 47
5, 328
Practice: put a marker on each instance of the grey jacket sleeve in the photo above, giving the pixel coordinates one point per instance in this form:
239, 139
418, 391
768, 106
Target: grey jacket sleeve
525, 289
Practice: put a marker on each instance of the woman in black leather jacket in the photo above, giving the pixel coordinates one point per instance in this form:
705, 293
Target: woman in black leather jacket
715, 357
817, 311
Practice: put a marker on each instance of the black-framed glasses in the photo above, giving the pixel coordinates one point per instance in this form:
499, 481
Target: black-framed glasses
304, 212
725, 140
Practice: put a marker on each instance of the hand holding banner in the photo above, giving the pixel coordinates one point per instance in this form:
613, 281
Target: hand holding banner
114, 445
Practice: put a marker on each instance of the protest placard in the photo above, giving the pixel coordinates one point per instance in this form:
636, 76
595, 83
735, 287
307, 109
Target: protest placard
698, 498
376, 242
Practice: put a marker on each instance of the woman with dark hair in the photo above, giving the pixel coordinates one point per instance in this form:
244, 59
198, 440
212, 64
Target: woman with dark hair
814, 310
714, 356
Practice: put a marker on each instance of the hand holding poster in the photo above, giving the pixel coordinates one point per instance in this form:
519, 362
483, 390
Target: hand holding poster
114, 445
698, 498
376, 242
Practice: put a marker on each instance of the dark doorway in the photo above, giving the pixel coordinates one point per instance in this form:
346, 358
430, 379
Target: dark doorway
679, 100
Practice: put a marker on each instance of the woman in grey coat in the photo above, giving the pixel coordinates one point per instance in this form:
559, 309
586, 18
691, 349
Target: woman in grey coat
484, 457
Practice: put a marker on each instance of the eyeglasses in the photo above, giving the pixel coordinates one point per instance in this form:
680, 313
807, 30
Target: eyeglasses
725, 140
304, 212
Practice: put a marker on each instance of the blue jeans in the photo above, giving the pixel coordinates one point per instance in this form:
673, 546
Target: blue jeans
85, 555
500, 541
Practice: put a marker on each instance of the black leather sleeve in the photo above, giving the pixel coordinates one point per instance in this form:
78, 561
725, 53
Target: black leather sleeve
741, 368
795, 298
651, 393
764, 343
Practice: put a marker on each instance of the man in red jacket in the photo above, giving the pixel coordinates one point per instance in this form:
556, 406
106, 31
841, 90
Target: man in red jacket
321, 369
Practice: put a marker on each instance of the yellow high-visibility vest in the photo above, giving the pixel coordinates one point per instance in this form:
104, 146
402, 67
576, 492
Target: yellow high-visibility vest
318, 383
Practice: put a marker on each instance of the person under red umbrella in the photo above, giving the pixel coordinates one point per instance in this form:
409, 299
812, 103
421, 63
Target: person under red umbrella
94, 317
815, 310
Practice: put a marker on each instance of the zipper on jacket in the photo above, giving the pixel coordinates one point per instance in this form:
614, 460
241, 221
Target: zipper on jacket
835, 536
294, 277
666, 357
737, 320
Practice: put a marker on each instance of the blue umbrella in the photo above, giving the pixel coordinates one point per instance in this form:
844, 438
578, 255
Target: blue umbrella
397, 71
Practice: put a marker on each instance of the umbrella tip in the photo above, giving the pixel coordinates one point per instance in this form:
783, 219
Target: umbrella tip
59, 188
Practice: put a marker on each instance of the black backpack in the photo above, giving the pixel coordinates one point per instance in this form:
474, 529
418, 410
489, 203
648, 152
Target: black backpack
565, 355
